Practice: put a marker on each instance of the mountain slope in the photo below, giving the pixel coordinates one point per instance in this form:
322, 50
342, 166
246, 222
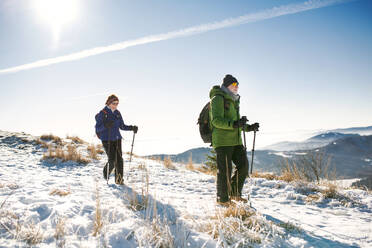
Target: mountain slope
317, 141
179, 212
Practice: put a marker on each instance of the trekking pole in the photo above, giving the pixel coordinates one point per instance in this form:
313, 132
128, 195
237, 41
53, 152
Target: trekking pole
245, 142
108, 163
131, 151
254, 142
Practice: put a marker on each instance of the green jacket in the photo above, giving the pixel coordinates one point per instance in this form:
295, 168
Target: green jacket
223, 112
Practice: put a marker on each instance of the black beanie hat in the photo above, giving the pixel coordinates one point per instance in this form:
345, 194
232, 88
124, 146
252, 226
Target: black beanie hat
229, 80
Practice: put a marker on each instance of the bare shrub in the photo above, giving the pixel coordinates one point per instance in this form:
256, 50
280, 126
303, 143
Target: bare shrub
290, 171
59, 192
168, 163
315, 166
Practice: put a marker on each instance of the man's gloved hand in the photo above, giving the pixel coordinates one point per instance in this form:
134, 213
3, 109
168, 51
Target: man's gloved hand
255, 126
240, 123
109, 124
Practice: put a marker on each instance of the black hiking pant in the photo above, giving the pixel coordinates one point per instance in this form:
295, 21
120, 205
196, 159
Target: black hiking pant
227, 185
115, 159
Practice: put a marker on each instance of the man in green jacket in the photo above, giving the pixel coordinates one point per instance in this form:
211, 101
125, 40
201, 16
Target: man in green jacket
226, 127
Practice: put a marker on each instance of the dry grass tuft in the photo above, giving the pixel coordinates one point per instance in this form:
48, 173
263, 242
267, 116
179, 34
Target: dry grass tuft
76, 139
330, 191
140, 202
93, 152
31, 234
50, 137
70, 155
42, 143
238, 211
98, 222
290, 227
156, 233
168, 163
60, 232
235, 225
60, 192
190, 164
267, 176
142, 166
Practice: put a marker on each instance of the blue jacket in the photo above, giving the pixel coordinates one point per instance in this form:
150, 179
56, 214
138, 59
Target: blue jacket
102, 132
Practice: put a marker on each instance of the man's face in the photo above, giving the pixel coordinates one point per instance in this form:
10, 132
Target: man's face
234, 87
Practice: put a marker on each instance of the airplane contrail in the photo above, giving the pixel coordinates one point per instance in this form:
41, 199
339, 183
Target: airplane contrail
253, 17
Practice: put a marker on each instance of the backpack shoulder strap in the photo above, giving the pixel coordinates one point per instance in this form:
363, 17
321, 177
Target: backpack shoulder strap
105, 114
225, 103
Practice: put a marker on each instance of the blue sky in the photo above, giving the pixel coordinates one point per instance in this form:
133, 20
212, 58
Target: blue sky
298, 73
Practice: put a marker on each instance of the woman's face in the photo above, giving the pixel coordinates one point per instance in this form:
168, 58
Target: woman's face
114, 105
234, 87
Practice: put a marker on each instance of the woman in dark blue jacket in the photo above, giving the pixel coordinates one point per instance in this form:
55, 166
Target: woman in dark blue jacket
108, 123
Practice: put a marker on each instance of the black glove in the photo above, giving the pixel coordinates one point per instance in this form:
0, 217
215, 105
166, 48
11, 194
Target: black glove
134, 129
255, 126
240, 123
108, 124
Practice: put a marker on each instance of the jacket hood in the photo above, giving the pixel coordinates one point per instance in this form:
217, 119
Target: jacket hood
217, 90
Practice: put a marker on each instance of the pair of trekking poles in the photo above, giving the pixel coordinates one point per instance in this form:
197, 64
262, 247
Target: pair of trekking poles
109, 146
245, 146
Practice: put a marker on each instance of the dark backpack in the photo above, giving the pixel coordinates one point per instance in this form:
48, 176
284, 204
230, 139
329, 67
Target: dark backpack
104, 118
204, 122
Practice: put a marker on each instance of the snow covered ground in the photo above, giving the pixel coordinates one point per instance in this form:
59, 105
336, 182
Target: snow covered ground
160, 206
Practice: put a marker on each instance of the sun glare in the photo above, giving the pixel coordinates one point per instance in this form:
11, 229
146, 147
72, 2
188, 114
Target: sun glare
56, 13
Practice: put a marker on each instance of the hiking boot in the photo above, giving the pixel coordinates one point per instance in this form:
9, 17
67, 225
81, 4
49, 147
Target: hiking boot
119, 180
239, 199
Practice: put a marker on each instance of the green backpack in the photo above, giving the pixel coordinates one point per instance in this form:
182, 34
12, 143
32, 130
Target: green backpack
205, 129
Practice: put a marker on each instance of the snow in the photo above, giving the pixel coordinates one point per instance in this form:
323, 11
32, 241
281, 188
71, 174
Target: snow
180, 204
282, 154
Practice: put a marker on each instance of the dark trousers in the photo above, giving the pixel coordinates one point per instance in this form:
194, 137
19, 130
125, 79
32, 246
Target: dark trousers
115, 159
227, 185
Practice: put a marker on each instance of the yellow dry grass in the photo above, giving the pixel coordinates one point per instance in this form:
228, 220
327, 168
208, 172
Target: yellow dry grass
76, 139
168, 163
59, 192
70, 155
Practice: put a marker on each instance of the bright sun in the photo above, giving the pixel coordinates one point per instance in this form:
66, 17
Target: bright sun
56, 13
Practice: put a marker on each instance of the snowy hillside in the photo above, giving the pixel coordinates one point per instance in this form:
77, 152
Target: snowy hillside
65, 204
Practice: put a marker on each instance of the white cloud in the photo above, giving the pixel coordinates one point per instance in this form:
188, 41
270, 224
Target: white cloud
253, 17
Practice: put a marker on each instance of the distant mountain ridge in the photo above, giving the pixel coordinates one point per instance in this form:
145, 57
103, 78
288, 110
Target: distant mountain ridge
350, 153
317, 141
